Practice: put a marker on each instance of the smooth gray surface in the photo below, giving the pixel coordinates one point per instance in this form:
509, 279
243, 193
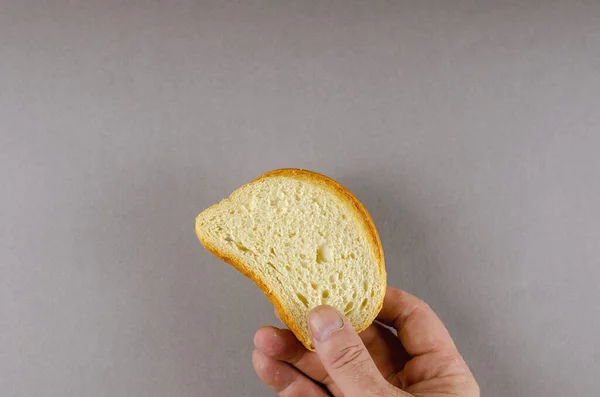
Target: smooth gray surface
470, 129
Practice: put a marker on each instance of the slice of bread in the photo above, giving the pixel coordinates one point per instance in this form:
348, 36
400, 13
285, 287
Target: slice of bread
305, 241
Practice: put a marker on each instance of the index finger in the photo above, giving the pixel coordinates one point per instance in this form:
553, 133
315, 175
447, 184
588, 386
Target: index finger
420, 330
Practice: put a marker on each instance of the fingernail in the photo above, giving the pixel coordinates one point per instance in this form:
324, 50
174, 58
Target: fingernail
323, 321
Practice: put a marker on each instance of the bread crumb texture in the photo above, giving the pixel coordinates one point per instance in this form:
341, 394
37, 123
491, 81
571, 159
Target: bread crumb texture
305, 241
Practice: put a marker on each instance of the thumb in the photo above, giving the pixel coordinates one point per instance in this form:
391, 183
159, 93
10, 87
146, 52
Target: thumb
344, 354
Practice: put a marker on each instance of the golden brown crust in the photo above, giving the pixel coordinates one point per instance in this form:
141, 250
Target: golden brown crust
344, 194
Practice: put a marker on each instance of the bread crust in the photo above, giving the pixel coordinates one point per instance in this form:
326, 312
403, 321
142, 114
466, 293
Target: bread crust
341, 192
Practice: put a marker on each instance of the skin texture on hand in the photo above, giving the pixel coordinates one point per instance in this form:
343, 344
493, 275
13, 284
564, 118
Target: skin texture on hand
421, 360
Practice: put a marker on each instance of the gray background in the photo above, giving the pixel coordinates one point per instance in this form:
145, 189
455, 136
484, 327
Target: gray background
470, 129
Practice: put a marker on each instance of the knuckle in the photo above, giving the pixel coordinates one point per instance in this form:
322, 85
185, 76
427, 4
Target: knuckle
397, 296
420, 306
349, 357
451, 364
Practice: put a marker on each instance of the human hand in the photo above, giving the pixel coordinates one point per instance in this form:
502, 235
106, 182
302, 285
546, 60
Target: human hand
421, 361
